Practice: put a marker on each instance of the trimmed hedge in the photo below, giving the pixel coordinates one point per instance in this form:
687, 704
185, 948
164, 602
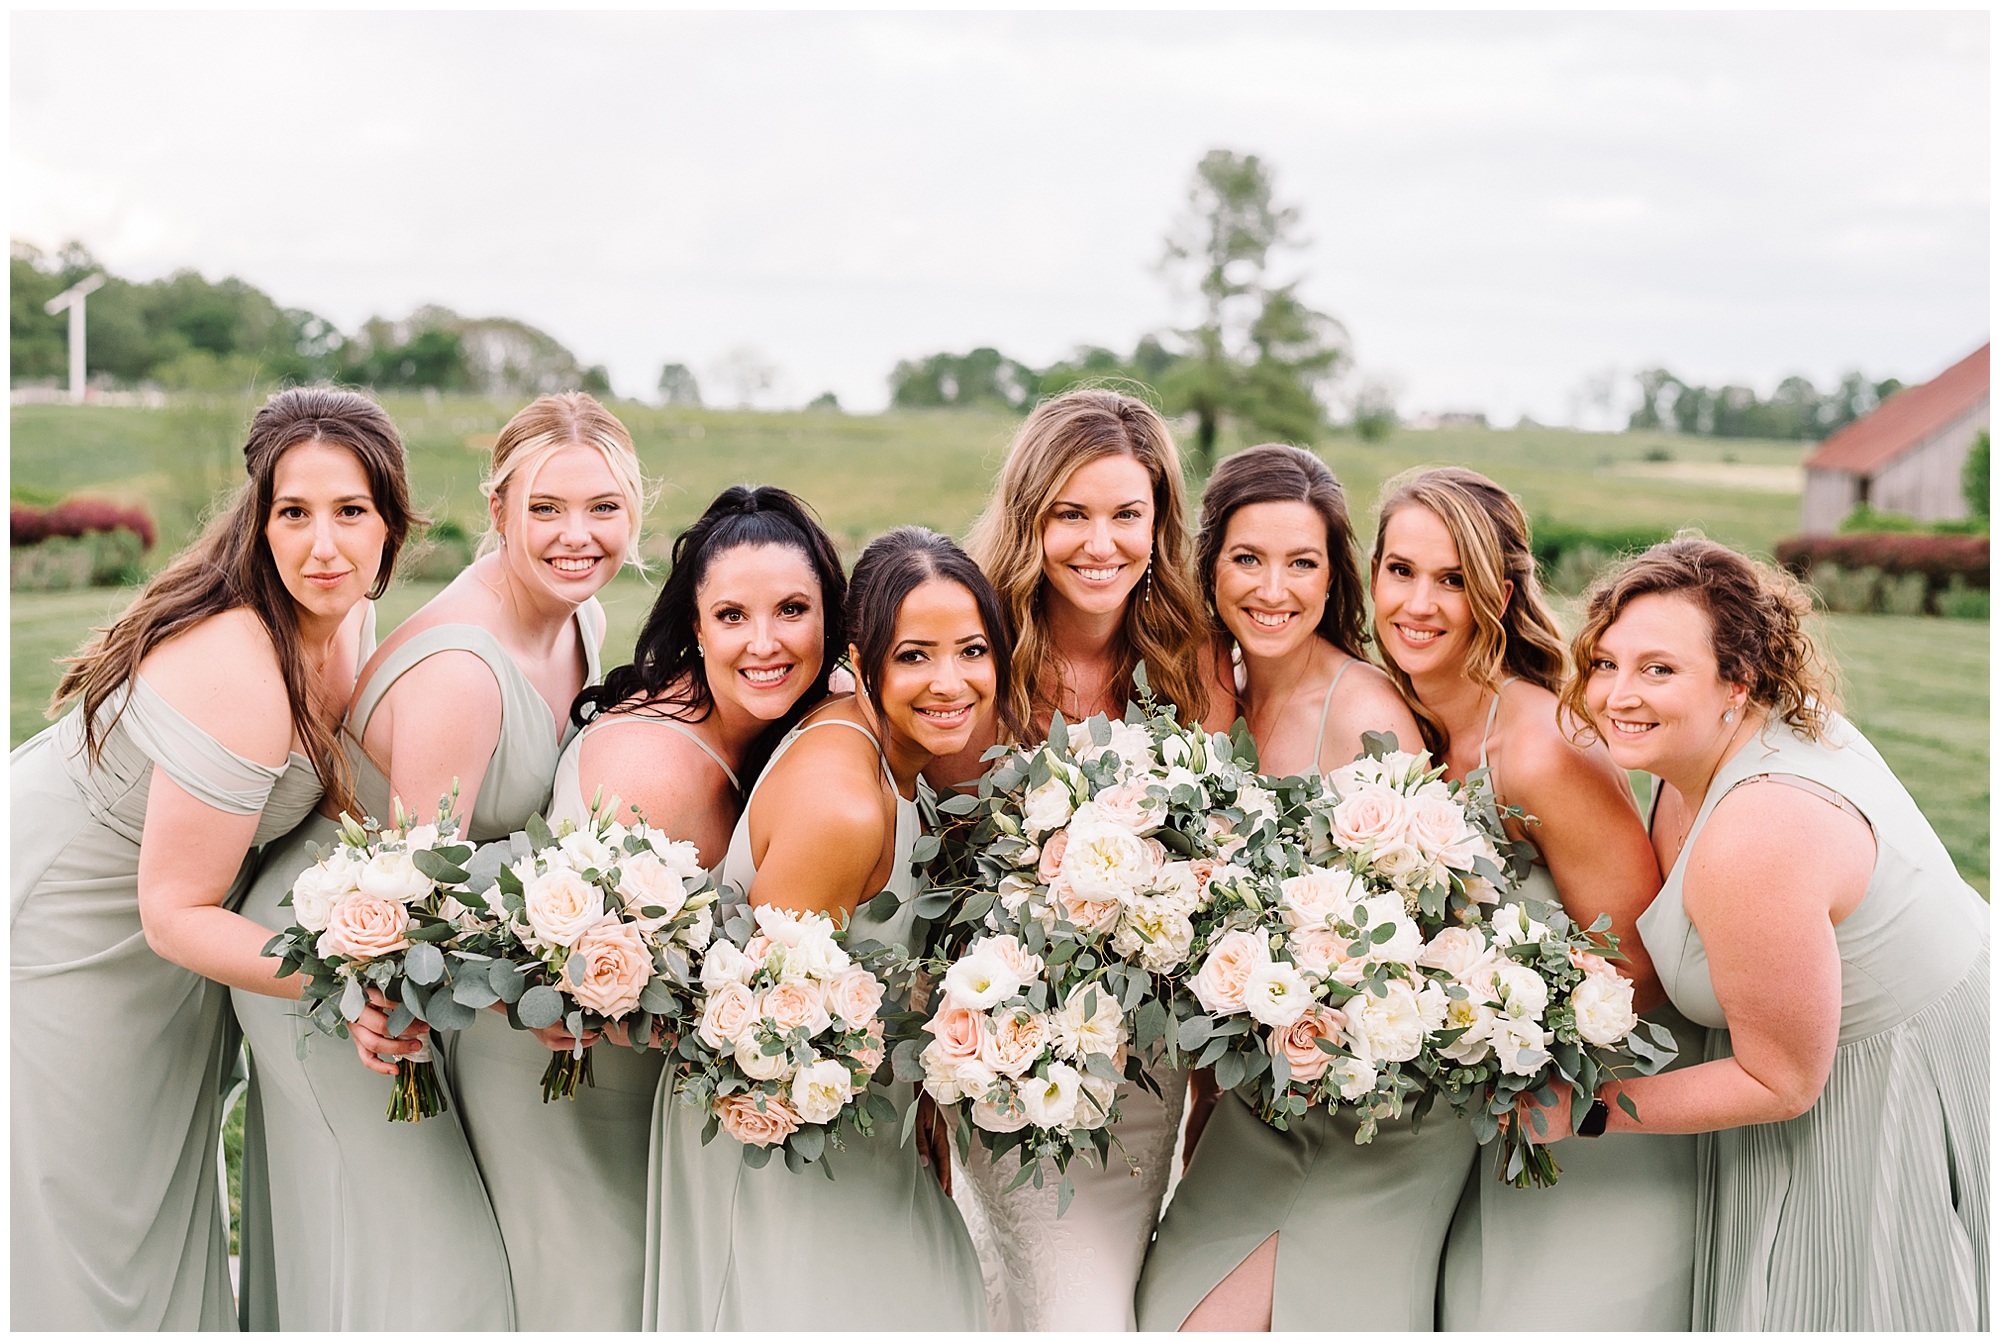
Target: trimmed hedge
1937, 557
29, 525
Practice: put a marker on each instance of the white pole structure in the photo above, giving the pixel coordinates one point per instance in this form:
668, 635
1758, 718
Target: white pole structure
72, 298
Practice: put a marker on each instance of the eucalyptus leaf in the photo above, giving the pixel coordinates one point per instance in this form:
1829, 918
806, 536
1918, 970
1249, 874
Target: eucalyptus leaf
447, 1013
540, 1007
809, 1141
424, 963
1195, 1031
401, 1019
539, 836
474, 991
934, 904
756, 1157
507, 979
434, 865
353, 1000
1229, 1069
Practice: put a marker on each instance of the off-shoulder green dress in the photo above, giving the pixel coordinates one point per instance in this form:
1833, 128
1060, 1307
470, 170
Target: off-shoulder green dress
878, 1247
1868, 1211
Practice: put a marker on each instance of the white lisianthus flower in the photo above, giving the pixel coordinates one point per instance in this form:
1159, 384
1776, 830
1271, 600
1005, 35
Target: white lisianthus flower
679, 856
1276, 994
1176, 752
1048, 806
1482, 891
1257, 805
1405, 946
819, 1092
1476, 1019
320, 886
698, 933
1014, 891
809, 950
560, 905
1521, 991
1355, 1077
939, 1081
1103, 1032
392, 875
1603, 1006
1513, 927
1050, 1101
1388, 1028
420, 836
1178, 776
1432, 1002
1519, 1043
981, 979
585, 851
1094, 1098
761, 1066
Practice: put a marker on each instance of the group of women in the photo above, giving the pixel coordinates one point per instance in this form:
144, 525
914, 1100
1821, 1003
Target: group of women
1816, 1159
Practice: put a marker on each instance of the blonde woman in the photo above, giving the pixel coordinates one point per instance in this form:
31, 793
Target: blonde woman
374, 1224
1476, 651
1086, 540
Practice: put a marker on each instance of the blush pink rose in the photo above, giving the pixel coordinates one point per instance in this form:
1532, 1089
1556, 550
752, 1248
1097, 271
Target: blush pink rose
1296, 1042
725, 1015
757, 950
1128, 807
792, 1004
1435, 824
1591, 964
1370, 815
960, 1032
1050, 866
1090, 916
365, 927
615, 965
751, 1126
1316, 950
1015, 1042
1219, 986
854, 995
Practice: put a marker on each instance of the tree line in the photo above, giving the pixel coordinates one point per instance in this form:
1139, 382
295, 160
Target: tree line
185, 331
1796, 410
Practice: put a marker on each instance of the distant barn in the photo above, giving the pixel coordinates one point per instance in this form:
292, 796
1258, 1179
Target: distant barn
1904, 456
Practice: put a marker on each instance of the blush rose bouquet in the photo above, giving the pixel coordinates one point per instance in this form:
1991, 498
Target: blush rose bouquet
786, 1036
1065, 892
1311, 987
388, 909
1532, 1003
599, 925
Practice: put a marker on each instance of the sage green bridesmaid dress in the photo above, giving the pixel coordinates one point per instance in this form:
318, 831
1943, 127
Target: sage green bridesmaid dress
1610, 1246
878, 1247
1868, 1211
117, 1054
1375, 1216
378, 1225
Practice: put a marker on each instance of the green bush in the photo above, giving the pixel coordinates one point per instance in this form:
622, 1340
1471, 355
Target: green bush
63, 563
1553, 541
1577, 568
444, 550
1847, 591
1904, 595
1961, 601
1865, 518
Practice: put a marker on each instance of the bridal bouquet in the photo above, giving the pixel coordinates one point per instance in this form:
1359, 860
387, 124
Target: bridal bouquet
1067, 893
784, 1040
597, 925
1312, 987
1531, 1003
388, 909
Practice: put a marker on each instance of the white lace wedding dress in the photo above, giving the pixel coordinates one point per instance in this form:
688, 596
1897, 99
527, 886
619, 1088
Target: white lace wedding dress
1074, 1273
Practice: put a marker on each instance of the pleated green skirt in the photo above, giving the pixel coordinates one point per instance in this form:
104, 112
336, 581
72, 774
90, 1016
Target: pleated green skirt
1380, 1212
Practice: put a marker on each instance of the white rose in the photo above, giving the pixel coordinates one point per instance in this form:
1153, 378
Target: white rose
1402, 864
561, 905
585, 851
726, 963
820, 1092
1050, 1101
1276, 994
1388, 1028
974, 1077
1319, 894
1521, 991
1103, 1032
981, 979
1047, 807
761, 1066
1104, 863
319, 887
392, 875
1603, 1006
1519, 1042
1355, 1077
939, 1082
646, 882
802, 944
1094, 1098
1405, 945
1455, 950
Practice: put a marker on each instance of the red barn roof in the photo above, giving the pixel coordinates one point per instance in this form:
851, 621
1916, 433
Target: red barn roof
1906, 419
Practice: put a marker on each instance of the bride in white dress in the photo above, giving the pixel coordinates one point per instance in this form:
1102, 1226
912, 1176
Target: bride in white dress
1086, 540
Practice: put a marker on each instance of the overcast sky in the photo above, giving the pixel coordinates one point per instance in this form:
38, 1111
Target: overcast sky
1499, 206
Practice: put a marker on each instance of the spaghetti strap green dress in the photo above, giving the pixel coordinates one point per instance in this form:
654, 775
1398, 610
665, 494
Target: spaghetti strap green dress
368, 1224
117, 1056
1379, 1212
1868, 1211
878, 1247
602, 1156
1621, 1219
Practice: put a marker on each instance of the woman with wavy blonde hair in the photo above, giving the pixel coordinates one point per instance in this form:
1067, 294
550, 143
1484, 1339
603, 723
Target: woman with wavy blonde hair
473, 692
1087, 541
1814, 922
1467, 634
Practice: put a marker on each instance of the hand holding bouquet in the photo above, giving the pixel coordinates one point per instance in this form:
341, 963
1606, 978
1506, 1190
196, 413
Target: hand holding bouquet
784, 1040
386, 909
598, 925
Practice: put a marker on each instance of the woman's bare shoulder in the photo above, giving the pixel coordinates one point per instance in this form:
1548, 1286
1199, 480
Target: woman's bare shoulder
223, 675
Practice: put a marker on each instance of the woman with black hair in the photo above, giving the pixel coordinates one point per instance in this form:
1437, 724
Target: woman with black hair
830, 824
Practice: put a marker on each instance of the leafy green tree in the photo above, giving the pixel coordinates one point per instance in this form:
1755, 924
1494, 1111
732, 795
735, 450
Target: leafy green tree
678, 386
1976, 480
1257, 352
982, 377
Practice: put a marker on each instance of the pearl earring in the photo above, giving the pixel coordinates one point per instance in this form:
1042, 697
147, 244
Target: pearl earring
1729, 715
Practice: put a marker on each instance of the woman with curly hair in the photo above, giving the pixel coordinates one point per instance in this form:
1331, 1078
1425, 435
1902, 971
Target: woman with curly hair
1087, 541
1814, 922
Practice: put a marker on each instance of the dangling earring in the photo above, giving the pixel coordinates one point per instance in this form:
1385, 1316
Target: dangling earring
1729, 715
1147, 595
700, 651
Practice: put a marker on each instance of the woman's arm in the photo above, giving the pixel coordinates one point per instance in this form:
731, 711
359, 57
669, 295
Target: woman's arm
665, 776
223, 676
820, 819
437, 726
1366, 701
1592, 839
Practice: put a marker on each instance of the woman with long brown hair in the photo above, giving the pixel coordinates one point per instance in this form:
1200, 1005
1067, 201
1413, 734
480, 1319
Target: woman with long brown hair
204, 723
1815, 924
1473, 644
1245, 1241
472, 691
1086, 540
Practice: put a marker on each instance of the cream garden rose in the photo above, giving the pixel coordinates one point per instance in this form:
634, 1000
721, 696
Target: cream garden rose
1226, 972
1370, 817
392, 875
727, 1012
742, 1118
1603, 1006
560, 905
820, 1091
608, 968
854, 995
362, 926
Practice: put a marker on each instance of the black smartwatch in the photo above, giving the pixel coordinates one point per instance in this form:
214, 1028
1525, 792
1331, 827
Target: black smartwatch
1593, 1122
